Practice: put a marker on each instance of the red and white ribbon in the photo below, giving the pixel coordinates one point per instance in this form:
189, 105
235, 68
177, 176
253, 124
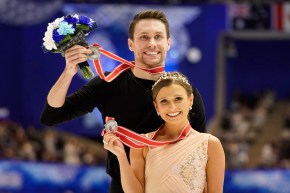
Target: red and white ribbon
128, 137
124, 65
135, 140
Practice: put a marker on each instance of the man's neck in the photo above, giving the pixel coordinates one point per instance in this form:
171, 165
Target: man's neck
144, 75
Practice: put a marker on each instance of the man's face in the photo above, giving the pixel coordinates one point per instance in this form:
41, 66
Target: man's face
150, 44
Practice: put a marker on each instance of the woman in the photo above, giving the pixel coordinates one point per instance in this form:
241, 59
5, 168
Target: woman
193, 164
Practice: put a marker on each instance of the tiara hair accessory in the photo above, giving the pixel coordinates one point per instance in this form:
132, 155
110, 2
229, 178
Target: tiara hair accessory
172, 76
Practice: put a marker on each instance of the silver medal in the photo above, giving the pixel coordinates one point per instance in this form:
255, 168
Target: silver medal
95, 53
111, 125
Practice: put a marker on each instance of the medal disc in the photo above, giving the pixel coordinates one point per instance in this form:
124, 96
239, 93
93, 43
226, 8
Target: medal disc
111, 125
95, 53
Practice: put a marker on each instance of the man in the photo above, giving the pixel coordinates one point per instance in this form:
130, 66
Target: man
128, 97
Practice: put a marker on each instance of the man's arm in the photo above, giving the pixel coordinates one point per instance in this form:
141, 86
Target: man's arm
53, 111
58, 92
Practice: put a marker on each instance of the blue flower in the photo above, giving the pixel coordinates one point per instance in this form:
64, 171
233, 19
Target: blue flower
71, 19
64, 28
60, 31
85, 20
56, 36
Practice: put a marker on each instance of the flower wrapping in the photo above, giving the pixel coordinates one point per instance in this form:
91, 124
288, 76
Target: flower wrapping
66, 32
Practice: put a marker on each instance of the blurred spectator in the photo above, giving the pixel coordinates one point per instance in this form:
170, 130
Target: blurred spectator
47, 145
71, 152
241, 123
269, 155
287, 117
284, 149
27, 152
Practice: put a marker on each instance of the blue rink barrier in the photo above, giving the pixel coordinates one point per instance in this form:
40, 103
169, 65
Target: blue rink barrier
257, 181
29, 177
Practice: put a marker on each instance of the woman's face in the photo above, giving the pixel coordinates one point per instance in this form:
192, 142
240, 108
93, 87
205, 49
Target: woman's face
173, 103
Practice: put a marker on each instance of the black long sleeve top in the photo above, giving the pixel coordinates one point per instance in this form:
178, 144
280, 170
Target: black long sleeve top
128, 99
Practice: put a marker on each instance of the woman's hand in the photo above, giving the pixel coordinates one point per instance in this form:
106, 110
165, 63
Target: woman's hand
113, 144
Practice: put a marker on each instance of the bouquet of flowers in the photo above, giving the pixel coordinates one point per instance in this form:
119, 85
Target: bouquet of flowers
66, 32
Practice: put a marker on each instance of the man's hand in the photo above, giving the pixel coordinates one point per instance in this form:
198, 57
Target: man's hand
73, 56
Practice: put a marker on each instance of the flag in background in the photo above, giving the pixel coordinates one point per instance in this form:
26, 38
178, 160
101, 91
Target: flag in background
246, 16
281, 17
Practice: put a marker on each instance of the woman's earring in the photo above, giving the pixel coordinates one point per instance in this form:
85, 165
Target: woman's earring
157, 113
190, 108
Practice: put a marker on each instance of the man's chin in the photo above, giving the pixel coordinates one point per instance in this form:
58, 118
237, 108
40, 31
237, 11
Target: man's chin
153, 65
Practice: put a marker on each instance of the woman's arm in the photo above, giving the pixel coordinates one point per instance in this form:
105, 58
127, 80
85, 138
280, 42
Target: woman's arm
132, 176
215, 169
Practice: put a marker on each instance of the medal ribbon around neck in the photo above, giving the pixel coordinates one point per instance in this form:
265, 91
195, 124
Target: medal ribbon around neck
135, 140
124, 65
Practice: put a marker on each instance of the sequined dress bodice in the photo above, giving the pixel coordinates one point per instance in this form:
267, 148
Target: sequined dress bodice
178, 167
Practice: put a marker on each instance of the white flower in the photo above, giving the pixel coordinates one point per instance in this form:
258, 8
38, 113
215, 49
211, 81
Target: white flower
49, 43
76, 16
56, 22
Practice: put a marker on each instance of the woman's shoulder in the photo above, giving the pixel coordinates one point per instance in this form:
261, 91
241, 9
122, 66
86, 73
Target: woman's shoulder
147, 148
214, 144
213, 139
149, 135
